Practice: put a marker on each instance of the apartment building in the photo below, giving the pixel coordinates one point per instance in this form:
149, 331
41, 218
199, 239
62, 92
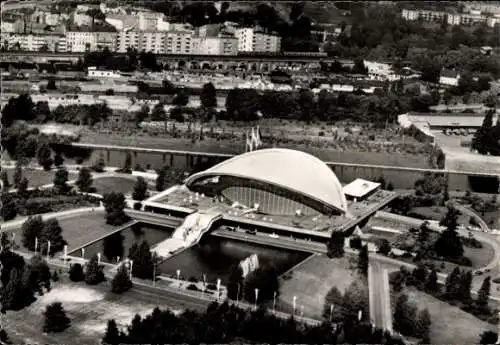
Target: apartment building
473, 17
223, 44
80, 41
425, 15
179, 42
253, 40
105, 40
149, 41
31, 42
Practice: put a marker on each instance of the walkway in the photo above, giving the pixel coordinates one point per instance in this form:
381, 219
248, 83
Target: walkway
379, 292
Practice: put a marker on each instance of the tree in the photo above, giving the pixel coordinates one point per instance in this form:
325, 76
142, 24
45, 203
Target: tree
208, 96
55, 319
51, 85
94, 272
142, 114
420, 274
432, 284
18, 174
142, 259
52, 232
452, 284
160, 179
100, 164
112, 335
4, 177
355, 299
158, 113
384, 247
335, 247
60, 180
423, 324
483, 141
363, 261
9, 208
121, 281
465, 285
127, 165
405, 314
39, 274
58, 159
84, 181
76, 273
449, 244
266, 279
332, 298
22, 189
140, 189
235, 283
31, 229
181, 99
483, 295
114, 204
488, 338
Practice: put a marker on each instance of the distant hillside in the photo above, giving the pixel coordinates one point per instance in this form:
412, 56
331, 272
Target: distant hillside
320, 12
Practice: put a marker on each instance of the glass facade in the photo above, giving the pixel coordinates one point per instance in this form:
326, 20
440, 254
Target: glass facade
272, 199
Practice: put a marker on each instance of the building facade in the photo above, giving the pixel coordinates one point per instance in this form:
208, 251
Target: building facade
32, 42
80, 41
221, 45
251, 40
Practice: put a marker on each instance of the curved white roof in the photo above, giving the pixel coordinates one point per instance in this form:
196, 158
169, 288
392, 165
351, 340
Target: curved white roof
291, 169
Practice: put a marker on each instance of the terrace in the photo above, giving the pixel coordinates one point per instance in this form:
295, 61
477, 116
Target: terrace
181, 199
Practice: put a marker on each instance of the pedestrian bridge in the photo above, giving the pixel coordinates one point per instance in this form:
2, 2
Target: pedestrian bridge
187, 235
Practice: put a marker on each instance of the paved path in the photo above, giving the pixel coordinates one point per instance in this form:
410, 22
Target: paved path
380, 304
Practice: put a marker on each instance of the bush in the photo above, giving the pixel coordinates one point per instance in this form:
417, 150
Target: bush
137, 206
76, 273
211, 287
193, 280
355, 243
55, 318
192, 287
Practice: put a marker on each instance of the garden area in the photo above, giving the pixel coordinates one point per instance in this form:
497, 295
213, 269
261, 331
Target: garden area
114, 184
310, 282
37, 177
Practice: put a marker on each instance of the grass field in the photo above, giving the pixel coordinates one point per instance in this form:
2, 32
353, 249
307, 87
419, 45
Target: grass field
114, 184
89, 309
450, 325
37, 178
311, 281
82, 229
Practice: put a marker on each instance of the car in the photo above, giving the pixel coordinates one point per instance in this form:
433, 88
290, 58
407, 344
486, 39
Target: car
478, 273
273, 235
251, 232
231, 228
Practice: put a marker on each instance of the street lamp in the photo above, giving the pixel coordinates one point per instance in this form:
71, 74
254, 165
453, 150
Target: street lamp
98, 259
36, 245
83, 253
331, 312
154, 274
302, 310
218, 290
131, 264
65, 253
274, 302
48, 249
238, 295
256, 297
179, 277
294, 304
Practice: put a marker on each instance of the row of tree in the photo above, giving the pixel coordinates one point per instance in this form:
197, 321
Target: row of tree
37, 233
226, 323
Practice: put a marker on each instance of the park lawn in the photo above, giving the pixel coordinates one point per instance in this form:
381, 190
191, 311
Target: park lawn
114, 184
82, 229
311, 281
37, 178
88, 308
450, 324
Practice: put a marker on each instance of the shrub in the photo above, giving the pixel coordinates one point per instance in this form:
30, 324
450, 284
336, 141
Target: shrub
193, 280
192, 287
211, 287
76, 273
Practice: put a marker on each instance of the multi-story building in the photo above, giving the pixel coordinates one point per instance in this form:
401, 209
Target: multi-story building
149, 41
179, 42
9, 25
31, 42
105, 40
80, 41
466, 19
127, 39
223, 44
425, 15
252, 40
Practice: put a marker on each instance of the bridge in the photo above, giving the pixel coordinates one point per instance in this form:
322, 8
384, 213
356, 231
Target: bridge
242, 62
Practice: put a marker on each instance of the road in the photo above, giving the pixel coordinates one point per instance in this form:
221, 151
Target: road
379, 291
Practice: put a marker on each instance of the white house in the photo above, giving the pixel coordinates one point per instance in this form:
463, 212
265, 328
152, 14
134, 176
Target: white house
448, 77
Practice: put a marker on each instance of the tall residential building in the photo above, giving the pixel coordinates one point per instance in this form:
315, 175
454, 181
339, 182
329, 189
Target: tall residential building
425, 15
149, 41
105, 40
253, 40
179, 42
223, 44
31, 42
80, 41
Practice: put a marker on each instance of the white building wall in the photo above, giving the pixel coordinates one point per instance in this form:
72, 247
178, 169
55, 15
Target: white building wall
80, 41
